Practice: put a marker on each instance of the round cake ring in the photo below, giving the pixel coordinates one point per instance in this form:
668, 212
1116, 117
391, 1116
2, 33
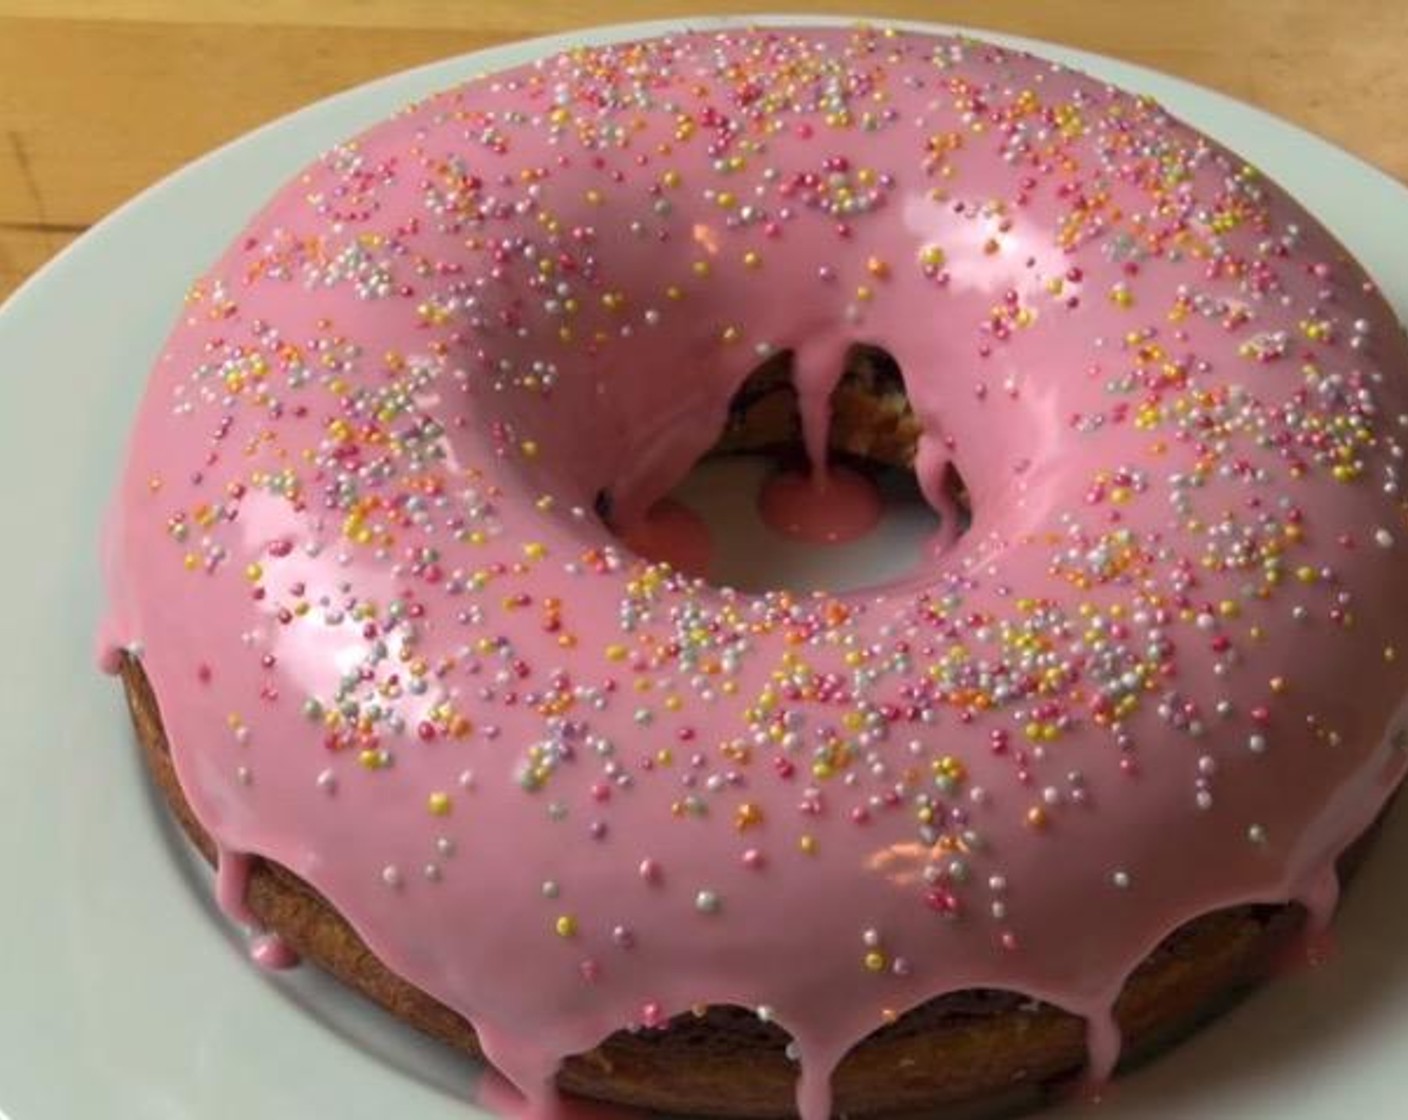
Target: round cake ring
1089, 562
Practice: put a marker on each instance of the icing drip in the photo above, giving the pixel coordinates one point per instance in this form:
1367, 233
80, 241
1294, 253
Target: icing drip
1102, 1041
496, 1095
1320, 897
529, 1066
931, 469
232, 871
109, 657
272, 953
836, 505
817, 1063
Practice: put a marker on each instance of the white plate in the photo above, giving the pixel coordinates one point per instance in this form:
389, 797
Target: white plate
121, 994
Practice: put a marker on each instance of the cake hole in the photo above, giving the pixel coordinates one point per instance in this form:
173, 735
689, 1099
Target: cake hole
824, 539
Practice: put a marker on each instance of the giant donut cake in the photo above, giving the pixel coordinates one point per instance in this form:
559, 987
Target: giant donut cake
368, 585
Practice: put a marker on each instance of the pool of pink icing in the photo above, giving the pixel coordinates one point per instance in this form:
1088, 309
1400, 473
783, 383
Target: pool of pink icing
823, 507
672, 533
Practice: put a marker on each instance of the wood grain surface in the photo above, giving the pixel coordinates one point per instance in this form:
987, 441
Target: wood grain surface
100, 98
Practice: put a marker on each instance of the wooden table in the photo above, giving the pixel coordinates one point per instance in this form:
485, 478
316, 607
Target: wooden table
99, 98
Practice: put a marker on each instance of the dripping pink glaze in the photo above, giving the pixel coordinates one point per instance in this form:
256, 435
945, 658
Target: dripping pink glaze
495, 1094
829, 507
1130, 694
272, 953
232, 885
672, 533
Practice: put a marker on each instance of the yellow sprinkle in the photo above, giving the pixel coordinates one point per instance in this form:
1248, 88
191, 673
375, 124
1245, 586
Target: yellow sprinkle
254, 573
808, 844
616, 652
875, 961
566, 926
529, 447
439, 804
931, 256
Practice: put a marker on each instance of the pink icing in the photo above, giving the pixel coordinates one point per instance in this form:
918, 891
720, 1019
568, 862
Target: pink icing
493, 1094
672, 533
231, 885
272, 953
828, 507
564, 791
